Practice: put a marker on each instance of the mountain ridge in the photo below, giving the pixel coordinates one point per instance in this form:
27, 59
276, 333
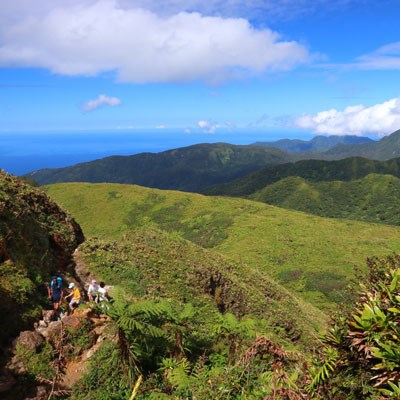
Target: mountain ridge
194, 168
314, 170
188, 168
318, 144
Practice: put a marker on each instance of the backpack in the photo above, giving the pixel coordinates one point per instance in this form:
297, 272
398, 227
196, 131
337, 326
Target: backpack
59, 282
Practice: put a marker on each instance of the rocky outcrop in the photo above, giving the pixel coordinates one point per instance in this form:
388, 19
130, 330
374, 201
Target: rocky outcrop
68, 358
37, 239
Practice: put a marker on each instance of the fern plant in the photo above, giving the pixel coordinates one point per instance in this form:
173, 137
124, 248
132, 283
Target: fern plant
141, 337
234, 329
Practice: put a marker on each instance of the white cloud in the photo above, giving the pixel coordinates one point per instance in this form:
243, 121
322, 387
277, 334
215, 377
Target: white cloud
386, 57
380, 120
91, 37
160, 127
207, 126
102, 100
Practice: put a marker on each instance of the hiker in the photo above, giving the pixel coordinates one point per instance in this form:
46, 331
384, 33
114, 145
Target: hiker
103, 295
93, 291
56, 293
75, 296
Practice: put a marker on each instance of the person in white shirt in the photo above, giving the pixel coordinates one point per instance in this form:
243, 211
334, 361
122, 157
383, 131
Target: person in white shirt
93, 291
103, 295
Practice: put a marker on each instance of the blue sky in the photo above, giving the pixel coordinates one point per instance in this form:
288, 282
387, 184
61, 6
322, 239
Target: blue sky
214, 69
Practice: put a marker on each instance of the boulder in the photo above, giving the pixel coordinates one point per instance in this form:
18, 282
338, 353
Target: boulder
52, 331
31, 340
85, 313
48, 316
71, 321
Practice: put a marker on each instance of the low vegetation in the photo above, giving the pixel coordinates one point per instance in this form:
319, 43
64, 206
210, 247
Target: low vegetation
312, 256
184, 350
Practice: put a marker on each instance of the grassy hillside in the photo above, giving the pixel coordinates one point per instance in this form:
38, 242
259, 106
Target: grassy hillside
311, 170
36, 240
311, 255
189, 168
373, 198
154, 264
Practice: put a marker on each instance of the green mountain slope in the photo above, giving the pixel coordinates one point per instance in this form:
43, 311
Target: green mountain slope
190, 168
373, 198
312, 170
313, 256
386, 148
317, 144
36, 240
154, 264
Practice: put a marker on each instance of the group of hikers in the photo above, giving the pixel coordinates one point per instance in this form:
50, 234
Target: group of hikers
97, 293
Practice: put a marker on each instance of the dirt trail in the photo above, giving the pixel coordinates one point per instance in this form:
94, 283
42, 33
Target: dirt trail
52, 331
76, 368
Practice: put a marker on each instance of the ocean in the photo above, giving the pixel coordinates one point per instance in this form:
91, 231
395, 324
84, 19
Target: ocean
25, 152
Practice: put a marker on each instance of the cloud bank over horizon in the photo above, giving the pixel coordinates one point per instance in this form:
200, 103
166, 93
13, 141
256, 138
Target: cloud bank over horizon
378, 120
89, 38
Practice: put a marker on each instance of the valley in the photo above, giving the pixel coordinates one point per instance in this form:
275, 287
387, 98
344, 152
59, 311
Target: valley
267, 262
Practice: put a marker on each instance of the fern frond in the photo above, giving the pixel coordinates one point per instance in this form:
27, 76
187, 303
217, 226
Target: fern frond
148, 308
325, 370
129, 324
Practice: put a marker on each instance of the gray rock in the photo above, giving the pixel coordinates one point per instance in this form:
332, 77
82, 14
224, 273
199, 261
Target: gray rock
31, 340
43, 324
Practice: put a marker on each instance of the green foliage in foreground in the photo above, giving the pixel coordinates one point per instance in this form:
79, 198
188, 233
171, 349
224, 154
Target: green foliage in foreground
225, 357
373, 198
310, 255
362, 354
187, 352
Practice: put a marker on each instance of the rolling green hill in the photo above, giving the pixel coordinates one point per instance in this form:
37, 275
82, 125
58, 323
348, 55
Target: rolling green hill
311, 170
189, 168
154, 264
373, 198
312, 256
